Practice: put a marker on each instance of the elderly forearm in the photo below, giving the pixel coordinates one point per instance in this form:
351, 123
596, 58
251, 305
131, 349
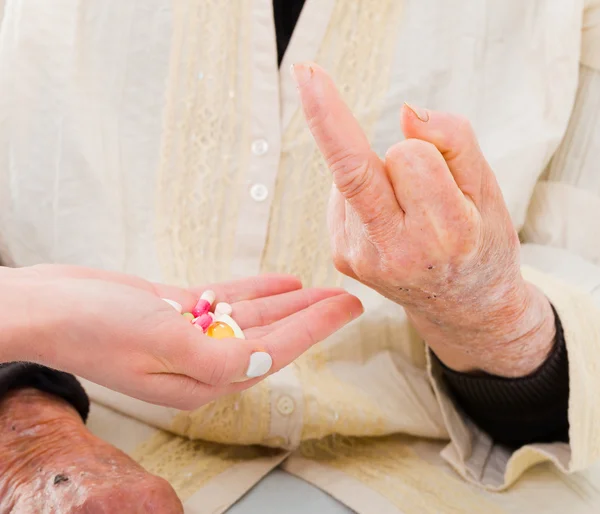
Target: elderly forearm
23, 329
511, 338
27, 323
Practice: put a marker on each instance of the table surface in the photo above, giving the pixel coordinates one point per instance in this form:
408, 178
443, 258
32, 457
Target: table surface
281, 492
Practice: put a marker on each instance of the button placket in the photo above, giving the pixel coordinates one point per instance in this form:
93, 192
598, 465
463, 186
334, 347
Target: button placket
286, 407
257, 186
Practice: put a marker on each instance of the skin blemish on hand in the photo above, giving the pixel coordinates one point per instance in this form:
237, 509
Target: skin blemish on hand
430, 267
60, 478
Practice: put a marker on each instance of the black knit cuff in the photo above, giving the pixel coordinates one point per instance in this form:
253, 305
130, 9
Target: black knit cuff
531, 409
21, 375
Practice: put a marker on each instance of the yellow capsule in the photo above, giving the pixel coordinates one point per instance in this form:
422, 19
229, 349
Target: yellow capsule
220, 330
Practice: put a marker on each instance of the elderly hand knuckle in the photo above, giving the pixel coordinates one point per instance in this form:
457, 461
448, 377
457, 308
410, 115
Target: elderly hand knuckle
462, 124
396, 152
405, 152
381, 227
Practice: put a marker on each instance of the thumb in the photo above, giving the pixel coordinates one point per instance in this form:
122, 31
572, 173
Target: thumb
455, 139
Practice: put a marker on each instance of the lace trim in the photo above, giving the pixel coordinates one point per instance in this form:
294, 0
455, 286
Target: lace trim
188, 465
204, 144
391, 467
241, 418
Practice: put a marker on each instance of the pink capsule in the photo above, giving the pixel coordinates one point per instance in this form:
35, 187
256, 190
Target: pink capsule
203, 321
202, 307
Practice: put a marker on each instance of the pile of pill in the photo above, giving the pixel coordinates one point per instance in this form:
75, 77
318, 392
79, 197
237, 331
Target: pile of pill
216, 323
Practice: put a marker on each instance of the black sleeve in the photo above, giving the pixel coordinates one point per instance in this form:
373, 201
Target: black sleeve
20, 375
515, 412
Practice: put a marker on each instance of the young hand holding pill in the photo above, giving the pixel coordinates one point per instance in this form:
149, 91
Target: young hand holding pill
119, 331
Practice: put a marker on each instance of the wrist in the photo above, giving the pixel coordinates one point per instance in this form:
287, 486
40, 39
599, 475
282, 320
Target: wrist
529, 343
511, 338
29, 407
28, 319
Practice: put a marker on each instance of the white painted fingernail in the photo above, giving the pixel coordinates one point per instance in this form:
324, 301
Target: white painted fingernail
174, 304
260, 364
223, 308
209, 296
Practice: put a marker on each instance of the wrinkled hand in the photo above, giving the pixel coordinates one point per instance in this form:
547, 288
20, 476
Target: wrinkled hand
428, 228
51, 463
115, 330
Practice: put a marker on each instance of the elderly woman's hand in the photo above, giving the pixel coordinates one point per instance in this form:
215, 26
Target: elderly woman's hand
115, 330
428, 228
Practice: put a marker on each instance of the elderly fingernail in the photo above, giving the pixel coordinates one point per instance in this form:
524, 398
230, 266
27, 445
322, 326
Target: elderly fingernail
301, 73
260, 364
419, 112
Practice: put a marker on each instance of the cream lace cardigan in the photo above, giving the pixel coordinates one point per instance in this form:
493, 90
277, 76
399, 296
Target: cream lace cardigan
159, 137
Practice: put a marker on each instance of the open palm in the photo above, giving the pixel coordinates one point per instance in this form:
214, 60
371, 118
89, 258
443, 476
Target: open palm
114, 329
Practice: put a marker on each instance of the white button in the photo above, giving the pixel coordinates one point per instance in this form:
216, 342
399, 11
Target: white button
285, 405
259, 192
260, 147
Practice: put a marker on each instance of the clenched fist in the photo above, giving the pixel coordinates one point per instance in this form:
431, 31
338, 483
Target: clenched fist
428, 228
